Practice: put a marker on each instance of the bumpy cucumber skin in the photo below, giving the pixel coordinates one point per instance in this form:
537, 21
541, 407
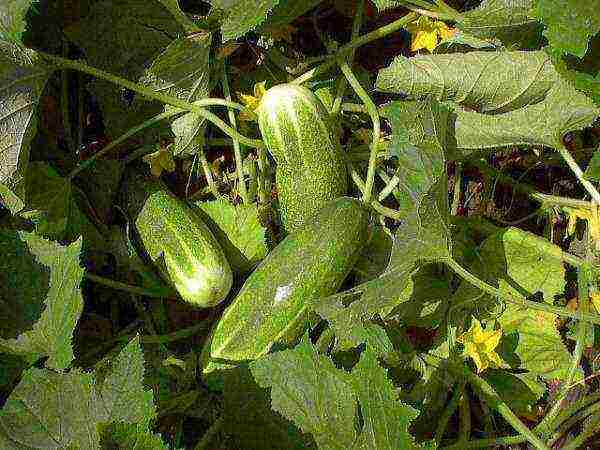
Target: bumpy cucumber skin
310, 263
310, 165
193, 259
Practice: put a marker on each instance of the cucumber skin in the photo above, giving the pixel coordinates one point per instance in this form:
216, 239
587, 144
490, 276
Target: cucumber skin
297, 130
193, 260
309, 263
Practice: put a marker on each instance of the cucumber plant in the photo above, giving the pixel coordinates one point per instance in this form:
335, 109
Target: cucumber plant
464, 133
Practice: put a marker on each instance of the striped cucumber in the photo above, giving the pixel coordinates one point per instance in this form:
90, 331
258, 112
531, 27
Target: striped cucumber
298, 132
309, 263
179, 242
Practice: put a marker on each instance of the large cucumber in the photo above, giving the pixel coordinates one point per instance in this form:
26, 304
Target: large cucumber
179, 242
310, 263
311, 171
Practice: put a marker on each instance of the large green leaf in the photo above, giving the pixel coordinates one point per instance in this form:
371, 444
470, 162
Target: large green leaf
321, 399
49, 409
491, 82
243, 16
123, 38
509, 21
386, 419
310, 391
238, 229
51, 333
544, 123
22, 80
569, 23
182, 71
521, 263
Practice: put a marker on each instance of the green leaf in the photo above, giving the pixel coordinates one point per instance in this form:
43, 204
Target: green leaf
142, 29
12, 19
593, 169
22, 80
51, 206
375, 257
287, 10
248, 416
310, 391
382, 5
386, 419
127, 436
245, 15
522, 263
183, 71
491, 82
540, 347
100, 183
52, 410
65, 410
516, 392
238, 229
544, 123
569, 23
124, 397
52, 332
509, 21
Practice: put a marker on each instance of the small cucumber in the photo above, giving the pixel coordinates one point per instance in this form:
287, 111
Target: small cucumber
179, 242
297, 130
309, 263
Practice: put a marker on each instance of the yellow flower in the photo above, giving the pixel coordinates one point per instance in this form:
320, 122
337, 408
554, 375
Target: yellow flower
160, 160
480, 345
428, 33
252, 101
595, 298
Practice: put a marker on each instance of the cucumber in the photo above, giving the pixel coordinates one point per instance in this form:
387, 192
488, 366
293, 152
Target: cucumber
299, 134
309, 263
182, 246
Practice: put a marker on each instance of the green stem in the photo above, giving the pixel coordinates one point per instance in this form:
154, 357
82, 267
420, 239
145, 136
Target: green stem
127, 287
517, 299
584, 280
188, 25
383, 210
544, 199
493, 400
150, 93
263, 195
206, 441
65, 105
587, 433
358, 42
448, 411
589, 187
372, 109
465, 416
129, 133
236, 144
486, 443
208, 173
178, 335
